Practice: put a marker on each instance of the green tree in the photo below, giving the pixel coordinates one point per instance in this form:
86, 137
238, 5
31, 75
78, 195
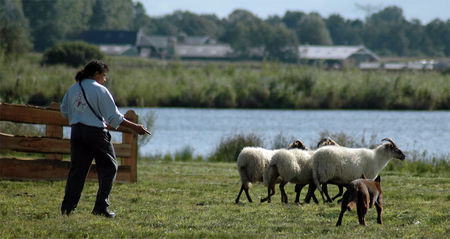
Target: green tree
417, 42
313, 30
439, 34
385, 32
274, 20
281, 44
140, 17
243, 32
55, 21
160, 26
112, 15
192, 24
14, 31
344, 32
292, 19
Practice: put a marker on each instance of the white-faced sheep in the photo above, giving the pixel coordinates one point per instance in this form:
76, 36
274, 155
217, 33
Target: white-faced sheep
292, 166
341, 165
252, 162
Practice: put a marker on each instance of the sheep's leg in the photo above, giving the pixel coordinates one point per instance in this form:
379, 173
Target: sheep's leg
310, 194
298, 190
284, 198
239, 194
317, 183
321, 194
248, 195
341, 190
325, 191
270, 192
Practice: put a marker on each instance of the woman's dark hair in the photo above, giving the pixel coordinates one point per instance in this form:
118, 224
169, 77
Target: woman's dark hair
90, 69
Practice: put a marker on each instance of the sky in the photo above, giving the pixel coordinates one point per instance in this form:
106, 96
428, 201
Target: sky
424, 10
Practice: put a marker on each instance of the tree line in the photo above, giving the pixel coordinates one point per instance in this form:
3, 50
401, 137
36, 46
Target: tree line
36, 25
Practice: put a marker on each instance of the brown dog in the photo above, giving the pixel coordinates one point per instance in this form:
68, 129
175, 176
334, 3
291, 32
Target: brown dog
362, 193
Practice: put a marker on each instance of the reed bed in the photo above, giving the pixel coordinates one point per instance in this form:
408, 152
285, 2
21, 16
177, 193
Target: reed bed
149, 83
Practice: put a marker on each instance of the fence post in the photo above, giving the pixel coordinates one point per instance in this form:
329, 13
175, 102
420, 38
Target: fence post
132, 139
54, 131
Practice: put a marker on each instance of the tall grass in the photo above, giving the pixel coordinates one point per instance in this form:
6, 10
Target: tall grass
143, 82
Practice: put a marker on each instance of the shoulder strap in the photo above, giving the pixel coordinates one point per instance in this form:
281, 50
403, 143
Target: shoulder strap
90, 107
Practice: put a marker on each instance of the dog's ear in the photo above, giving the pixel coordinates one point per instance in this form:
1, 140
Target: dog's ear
378, 179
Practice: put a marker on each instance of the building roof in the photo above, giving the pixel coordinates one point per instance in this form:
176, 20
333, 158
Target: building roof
203, 51
154, 40
109, 37
195, 40
332, 52
118, 49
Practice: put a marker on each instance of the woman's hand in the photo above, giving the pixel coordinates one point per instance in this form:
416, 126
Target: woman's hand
138, 128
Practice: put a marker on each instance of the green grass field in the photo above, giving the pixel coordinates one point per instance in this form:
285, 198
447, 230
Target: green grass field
196, 200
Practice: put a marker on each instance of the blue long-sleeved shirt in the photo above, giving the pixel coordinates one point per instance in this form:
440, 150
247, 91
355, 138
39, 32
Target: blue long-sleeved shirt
75, 109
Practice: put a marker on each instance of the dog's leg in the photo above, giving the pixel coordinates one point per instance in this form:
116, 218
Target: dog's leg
379, 205
345, 201
362, 206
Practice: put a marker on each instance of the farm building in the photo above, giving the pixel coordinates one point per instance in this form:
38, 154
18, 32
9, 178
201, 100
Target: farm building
136, 43
112, 42
203, 52
155, 46
336, 56
182, 46
133, 43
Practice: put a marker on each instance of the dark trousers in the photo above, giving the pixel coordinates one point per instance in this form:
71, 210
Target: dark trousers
87, 143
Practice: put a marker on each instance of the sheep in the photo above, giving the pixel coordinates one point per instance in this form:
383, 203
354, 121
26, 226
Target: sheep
252, 161
362, 194
341, 165
323, 142
292, 166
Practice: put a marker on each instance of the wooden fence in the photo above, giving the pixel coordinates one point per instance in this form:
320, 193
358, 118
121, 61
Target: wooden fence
53, 146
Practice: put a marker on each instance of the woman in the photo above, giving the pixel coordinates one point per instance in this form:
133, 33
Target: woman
90, 108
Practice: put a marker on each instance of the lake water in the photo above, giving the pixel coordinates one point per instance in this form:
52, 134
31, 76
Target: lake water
203, 129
